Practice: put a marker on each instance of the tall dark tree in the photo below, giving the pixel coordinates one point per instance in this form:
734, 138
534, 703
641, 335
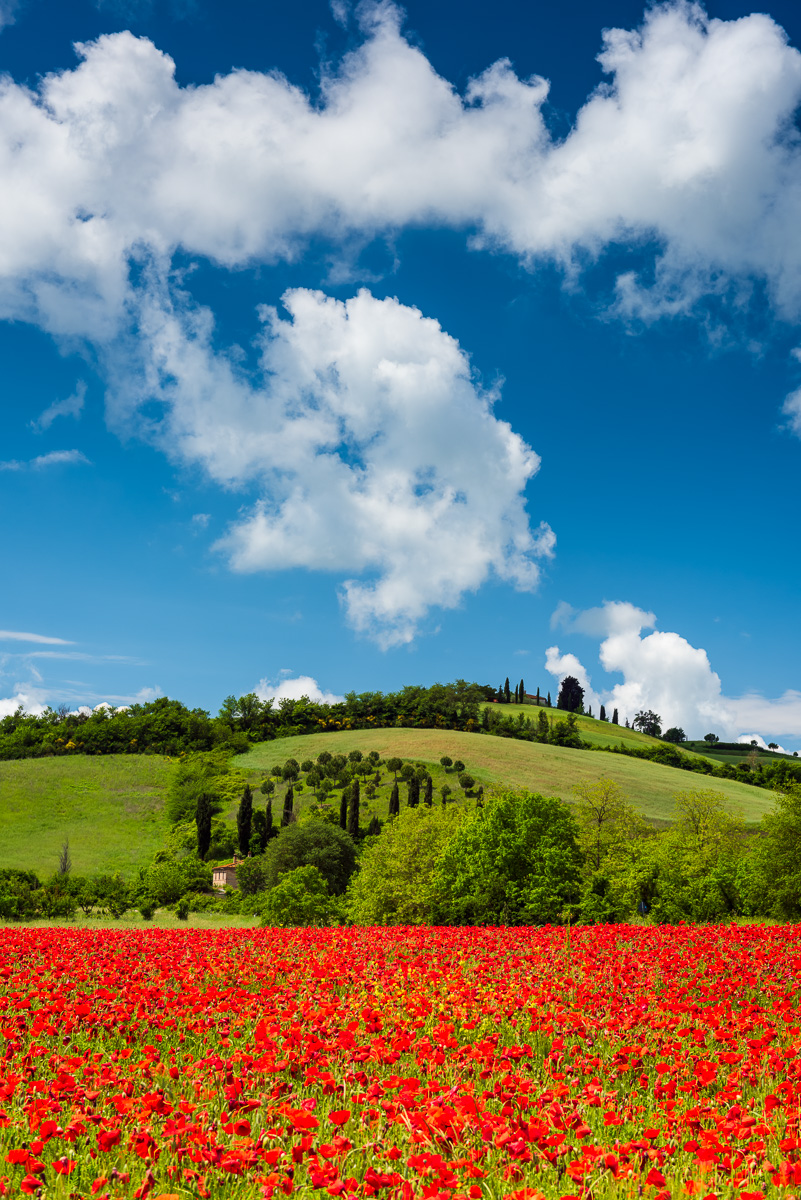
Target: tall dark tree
571, 695
203, 821
522, 692
414, 792
289, 801
268, 820
394, 801
374, 828
615, 720
343, 810
428, 791
258, 839
549, 700
517, 694
538, 694
602, 714
353, 809
543, 727
507, 691
244, 820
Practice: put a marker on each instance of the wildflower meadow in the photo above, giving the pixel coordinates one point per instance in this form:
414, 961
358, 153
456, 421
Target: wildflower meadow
401, 1062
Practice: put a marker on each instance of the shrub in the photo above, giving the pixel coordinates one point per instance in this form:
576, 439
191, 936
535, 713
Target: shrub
312, 843
182, 909
301, 897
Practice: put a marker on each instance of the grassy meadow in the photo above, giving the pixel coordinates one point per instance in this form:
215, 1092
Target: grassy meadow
111, 807
551, 770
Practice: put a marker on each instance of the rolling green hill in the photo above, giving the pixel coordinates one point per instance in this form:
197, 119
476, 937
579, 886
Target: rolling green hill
111, 807
551, 770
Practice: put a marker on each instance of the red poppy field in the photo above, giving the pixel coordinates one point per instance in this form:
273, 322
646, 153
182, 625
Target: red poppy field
459, 1063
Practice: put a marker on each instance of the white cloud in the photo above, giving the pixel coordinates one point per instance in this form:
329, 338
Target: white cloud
8, 12
23, 700
665, 673
376, 453
56, 458
294, 689
11, 635
72, 406
689, 147
560, 665
747, 738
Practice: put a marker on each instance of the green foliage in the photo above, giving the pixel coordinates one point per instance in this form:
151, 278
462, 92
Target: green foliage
301, 897
203, 816
397, 882
182, 908
244, 819
166, 881
565, 733
312, 843
648, 722
779, 858
698, 860
675, 734
353, 805
252, 875
571, 695
515, 861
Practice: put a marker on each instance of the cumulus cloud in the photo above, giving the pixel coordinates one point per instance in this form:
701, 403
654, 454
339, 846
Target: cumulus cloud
72, 406
375, 451
748, 738
689, 148
294, 689
665, 673
56, 458
24, 700
561, 665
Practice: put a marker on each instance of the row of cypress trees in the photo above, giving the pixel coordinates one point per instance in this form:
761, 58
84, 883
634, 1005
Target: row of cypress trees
505, 694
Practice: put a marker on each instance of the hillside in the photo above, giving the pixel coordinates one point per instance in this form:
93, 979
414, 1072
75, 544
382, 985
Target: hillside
111, 807
551, 770
601, 733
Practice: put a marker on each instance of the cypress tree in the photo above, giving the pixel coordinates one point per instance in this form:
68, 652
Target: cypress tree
627, 723
414, 792
543, 728
602, 714
428, 794
615, 720
343, 810
394, 801
522, 691
538, 695
289, 800
480, 797
374, 827
353, 810
517, 694
507, 691
268, 818
244, 820
549, 700
589, 710
203, 822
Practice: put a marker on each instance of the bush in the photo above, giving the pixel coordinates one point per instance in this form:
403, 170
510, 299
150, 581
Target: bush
301, 897
251, 875
312, 843
182, 908
168, 880
515, 861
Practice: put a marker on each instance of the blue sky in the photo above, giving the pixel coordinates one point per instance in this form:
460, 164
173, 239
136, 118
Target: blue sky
342, 352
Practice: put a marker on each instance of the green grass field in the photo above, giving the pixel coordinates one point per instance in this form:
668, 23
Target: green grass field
599, 733
111, 808
551, 770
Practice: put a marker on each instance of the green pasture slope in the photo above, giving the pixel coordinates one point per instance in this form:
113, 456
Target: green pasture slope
111, 807
551, 770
